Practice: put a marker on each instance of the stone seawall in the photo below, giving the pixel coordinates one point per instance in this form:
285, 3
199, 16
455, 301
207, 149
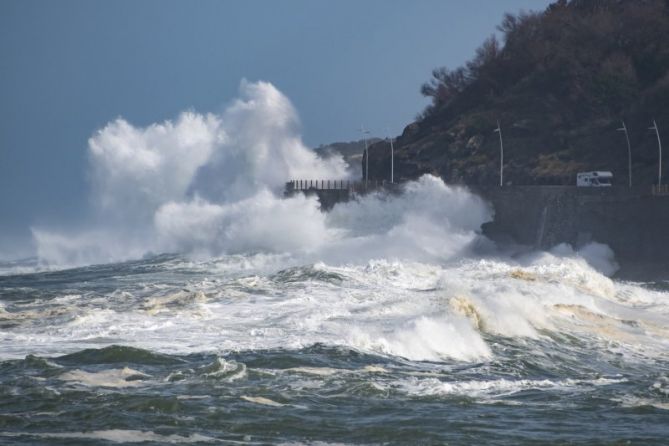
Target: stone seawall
633, 222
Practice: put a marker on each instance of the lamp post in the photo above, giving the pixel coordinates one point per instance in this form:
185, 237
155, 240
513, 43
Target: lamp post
629, 152
659, 145
392, 161
364, 138
501, 155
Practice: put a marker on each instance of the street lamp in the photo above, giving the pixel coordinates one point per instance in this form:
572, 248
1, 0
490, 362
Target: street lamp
659, 145
629, 152
501, 155
392, 161
364, 138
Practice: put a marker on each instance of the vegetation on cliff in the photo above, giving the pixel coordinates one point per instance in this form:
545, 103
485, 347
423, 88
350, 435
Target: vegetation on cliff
559, 82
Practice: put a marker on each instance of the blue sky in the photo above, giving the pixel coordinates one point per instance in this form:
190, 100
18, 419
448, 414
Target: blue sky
69, 67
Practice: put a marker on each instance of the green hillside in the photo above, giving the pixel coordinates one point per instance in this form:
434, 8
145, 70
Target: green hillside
560, 82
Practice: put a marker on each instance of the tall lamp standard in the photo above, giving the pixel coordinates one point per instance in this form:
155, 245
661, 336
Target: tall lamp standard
392, 161
364, 138
629, 152
501, 155
659, 145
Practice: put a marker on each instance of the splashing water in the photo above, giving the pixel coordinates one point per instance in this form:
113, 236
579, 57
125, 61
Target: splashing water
195, 184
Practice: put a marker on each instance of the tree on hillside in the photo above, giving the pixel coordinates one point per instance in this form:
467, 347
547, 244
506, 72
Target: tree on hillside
592, 52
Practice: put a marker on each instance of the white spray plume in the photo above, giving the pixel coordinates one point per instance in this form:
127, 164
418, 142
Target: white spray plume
262, 148
429, 221
148, 184
261, 223
134, 170
211, 185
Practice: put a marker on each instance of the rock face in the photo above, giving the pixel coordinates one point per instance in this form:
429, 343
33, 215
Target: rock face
560, 86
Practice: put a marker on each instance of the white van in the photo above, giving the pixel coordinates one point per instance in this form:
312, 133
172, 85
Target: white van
594, 179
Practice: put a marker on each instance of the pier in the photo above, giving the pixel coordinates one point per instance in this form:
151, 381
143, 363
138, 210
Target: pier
331, 192
355, 186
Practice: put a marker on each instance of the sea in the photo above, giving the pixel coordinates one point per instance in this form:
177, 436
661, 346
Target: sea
194, 303
249, 349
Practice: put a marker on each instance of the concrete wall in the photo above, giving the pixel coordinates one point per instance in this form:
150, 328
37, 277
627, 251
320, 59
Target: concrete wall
633, 222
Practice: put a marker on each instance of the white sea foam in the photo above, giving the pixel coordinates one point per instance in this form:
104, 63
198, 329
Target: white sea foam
227, 371
125, 377
494, 388
127, 436
632, 401
318, 371
261, 400
424, 338
415, 310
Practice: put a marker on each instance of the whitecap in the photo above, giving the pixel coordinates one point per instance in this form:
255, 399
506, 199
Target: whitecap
119, 378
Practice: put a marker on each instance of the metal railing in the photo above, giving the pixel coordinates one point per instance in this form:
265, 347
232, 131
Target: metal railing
306, 185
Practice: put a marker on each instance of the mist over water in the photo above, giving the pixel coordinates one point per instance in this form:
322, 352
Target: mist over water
269, 321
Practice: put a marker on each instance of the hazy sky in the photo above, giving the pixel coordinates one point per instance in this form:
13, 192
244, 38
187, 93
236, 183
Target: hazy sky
69, 67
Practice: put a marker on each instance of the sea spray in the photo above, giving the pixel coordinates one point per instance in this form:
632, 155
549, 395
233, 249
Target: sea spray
192, 171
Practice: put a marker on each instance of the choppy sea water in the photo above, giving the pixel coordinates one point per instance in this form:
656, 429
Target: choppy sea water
259, 349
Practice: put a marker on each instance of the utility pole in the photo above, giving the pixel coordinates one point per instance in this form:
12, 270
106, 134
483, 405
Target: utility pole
501, 155
629, 152
364, 138
659, 145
